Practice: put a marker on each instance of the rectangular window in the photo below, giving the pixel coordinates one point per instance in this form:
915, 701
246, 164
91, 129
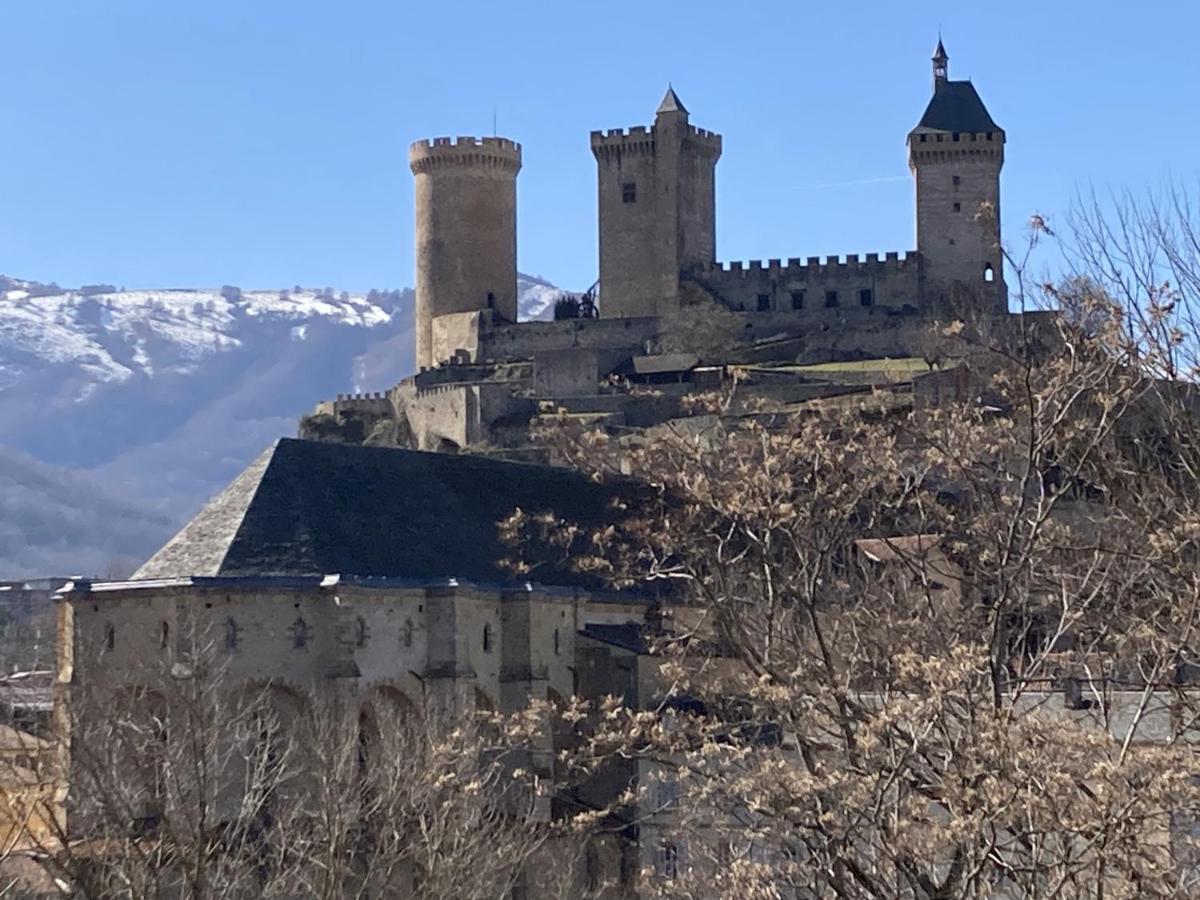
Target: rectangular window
764, 302
958, 207
629, 192
668, 860
866, 297
831, 299
957, 181
797, 299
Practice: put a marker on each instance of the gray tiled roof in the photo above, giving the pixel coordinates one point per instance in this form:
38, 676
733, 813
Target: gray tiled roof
956, 106
305, 508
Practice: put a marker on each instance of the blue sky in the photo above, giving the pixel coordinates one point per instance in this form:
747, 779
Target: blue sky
156, 143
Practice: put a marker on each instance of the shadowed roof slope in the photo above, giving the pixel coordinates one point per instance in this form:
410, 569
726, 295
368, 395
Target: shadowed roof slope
308, 508
956, 106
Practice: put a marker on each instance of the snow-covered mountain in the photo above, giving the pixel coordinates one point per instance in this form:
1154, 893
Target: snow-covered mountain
153, 399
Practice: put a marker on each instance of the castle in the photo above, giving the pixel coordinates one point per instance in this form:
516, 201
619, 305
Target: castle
669, 313
373, 576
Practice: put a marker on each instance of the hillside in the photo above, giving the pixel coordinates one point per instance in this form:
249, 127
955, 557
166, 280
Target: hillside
156, 398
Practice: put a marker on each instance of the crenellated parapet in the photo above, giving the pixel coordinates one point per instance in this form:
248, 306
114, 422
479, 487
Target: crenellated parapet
640, 139
819, 266
485, 154
956, 146
376, 403
889, 279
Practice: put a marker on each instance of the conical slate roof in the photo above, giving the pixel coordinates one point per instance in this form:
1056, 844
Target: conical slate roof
955, 106
671, 103
310, 508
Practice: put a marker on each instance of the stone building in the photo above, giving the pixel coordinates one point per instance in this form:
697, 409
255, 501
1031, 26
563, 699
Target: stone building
662, 288
375, 579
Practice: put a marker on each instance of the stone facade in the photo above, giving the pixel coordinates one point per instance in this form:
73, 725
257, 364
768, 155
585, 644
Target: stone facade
466, 230
657, 201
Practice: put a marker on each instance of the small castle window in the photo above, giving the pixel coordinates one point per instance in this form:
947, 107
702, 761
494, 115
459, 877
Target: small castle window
957, 181
231, 634
831, 299
667, 861
406, 634
556, 643
956, 135
629, 192
164, 635
989, 274
957, 206
797, 299
491, 300
487, 638
299, 634
360, 632
110, 636
764, 302
866, 297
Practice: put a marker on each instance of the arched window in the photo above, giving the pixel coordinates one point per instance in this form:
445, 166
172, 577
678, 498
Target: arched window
164, 635
231, 634
110, 636
487, 638
299, 634
989, 274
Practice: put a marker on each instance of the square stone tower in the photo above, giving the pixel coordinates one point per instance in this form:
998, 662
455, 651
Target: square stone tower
657, 200
956, 153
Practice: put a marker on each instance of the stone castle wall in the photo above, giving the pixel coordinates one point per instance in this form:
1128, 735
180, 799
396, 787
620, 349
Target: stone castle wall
815, 284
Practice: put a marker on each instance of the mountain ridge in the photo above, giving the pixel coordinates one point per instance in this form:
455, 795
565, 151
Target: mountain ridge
156, 398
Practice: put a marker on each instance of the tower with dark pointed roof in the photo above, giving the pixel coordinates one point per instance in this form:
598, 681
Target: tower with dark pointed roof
657, 204
955, 153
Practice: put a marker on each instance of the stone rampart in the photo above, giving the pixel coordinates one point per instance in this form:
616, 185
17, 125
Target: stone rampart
814, 284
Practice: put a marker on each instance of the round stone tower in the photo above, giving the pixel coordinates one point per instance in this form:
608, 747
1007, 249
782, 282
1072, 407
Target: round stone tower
466, 232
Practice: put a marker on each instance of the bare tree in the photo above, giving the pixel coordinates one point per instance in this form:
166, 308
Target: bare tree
926, 652
187, 784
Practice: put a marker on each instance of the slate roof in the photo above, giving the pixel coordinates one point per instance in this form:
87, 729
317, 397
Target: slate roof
308, 508
671, 102
956, 106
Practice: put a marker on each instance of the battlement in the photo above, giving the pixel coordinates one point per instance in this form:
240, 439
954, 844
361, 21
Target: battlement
376, 403
816, 266
488, 153
640, 138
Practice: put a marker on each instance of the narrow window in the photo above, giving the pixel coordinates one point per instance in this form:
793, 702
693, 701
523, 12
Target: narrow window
957, 181
764, 302
231, 634
668, 860
831, 299
668, 791
866, 297
487, 638
989, 274
556, 646
491, 300
629, 192
360, 632
110, 636
164, 635
299, 634
797, 299
407, 633
957, 206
